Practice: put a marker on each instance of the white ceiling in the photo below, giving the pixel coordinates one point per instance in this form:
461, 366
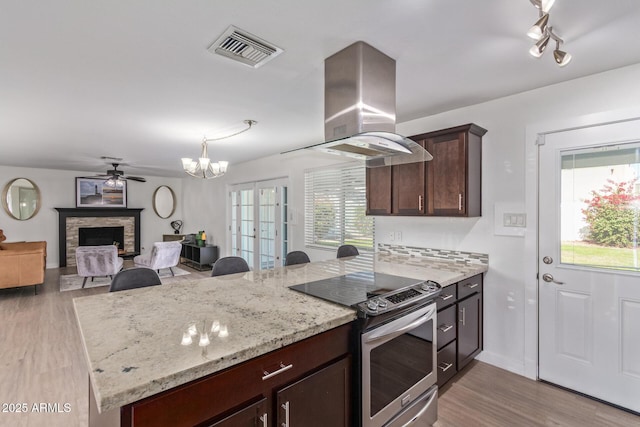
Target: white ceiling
133, 79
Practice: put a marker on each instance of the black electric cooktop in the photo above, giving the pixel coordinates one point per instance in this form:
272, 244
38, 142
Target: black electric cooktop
355, 288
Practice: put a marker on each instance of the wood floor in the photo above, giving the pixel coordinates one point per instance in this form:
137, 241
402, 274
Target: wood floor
42, 362
488, 396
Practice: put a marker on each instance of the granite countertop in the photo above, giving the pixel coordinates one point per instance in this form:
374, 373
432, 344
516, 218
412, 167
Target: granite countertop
133, 339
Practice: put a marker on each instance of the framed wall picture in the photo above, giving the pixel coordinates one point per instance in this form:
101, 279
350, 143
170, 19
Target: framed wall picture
101, 193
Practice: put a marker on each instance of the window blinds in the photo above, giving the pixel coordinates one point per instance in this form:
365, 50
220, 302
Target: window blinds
335, 207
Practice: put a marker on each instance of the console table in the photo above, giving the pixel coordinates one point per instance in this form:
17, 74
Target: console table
172, 237
199, 257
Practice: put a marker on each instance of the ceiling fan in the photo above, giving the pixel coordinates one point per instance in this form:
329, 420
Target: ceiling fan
114, 175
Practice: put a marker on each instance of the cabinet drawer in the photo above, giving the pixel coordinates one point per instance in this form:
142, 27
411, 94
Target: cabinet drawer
446, 363
447, 326
469, 286
447, 297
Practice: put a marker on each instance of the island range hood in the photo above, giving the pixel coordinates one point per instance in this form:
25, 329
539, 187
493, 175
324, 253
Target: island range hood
360, 109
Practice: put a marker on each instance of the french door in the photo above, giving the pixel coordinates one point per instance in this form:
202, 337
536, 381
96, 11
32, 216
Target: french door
589, 262
258, 226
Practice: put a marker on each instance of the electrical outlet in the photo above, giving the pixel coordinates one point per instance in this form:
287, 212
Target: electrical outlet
398, 236
391, 236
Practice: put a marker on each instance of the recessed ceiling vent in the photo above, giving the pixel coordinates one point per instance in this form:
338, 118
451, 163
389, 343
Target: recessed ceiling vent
244, 47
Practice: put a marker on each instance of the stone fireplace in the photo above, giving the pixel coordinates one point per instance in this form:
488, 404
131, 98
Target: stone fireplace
71, 220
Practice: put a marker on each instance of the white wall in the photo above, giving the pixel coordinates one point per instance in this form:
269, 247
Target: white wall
504, 172
58, 190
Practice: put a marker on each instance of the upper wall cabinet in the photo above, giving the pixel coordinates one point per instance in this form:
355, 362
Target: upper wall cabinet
448, 185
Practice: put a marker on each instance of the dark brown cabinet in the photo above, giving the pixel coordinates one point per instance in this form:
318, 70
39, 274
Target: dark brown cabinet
469, 329
408, 188
249, 416
454, 176
448, 185
311, 378
459, 326
318, 400
379, 190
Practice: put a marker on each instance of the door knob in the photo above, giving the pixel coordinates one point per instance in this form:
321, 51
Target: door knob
549, 279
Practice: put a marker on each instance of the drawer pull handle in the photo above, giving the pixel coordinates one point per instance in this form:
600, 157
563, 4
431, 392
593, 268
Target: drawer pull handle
445, 328
471, 286
420, 203
446, 297
444, 366
263, 418
283, 368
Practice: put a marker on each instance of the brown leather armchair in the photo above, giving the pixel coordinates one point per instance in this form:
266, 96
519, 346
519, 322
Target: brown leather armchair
22, 264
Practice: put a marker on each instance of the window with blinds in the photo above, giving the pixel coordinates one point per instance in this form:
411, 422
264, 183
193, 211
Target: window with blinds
335, 207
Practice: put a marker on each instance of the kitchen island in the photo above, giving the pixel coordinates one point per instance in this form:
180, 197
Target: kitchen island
136, 341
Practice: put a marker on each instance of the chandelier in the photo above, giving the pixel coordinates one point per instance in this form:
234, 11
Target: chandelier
204, 168
542, 33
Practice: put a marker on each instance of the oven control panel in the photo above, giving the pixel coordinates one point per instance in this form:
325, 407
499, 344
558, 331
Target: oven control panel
399, 298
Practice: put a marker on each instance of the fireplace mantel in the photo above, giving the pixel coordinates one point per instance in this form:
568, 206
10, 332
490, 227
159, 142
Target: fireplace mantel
65, 213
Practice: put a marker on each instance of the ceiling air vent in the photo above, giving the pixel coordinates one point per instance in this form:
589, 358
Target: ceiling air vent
244, 47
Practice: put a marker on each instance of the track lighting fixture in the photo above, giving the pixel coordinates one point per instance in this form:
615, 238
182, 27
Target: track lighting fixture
541, 32
544, 5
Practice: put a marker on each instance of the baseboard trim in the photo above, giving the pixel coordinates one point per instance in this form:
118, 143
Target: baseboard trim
495, 359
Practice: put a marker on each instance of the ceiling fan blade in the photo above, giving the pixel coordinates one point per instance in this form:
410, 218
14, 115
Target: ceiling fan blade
96, 177
135, 178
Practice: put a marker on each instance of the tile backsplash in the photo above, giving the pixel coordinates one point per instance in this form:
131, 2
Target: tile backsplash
441, 254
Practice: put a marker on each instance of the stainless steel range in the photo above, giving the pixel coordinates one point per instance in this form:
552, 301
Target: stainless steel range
395, 345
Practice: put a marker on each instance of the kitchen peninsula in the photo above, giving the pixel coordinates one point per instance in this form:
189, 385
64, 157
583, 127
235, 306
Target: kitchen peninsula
136, 342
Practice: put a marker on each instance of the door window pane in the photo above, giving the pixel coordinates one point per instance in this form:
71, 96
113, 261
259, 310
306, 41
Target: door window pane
600, 207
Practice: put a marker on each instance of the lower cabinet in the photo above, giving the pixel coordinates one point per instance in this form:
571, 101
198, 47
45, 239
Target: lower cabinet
459, 326
318, 400
469, 329
250, 416
307, 383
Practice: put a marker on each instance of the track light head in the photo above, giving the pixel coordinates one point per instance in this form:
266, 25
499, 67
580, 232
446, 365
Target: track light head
543, 5
561, 57
537, 30
538, 48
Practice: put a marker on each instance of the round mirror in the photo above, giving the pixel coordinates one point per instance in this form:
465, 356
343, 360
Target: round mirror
164, 201
21, 199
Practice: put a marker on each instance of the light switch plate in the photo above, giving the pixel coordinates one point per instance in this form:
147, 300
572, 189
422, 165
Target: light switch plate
510, 219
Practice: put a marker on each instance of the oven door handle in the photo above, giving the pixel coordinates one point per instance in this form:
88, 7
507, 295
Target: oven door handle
388, 331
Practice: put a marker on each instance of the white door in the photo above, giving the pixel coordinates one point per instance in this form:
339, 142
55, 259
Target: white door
588, 261
243, 229
272, 236
258, 223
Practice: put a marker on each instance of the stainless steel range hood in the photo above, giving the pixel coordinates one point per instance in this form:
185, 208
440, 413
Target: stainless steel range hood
360, 109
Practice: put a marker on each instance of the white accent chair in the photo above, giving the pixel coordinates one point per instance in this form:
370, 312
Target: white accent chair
162, 255
97, 261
